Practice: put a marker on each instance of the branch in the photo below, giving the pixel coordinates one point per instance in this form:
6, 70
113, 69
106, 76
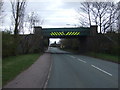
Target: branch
110, 24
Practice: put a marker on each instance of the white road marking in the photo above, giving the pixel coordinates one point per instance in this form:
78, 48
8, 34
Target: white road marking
82, 60
102, 70
48, 77
78, 59
72, 56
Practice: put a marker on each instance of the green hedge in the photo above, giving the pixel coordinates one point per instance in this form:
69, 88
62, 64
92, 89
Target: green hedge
8, 44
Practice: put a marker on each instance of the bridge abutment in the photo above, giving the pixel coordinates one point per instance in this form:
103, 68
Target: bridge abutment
43, 42
82, 44
38, 39
87, 43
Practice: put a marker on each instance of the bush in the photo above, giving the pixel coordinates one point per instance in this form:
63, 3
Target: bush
8, 44
22, 44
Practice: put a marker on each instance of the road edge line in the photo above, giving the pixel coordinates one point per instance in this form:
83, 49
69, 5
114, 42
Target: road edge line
48, 76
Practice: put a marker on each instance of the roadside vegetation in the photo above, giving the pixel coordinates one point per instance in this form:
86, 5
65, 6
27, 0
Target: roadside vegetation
103, 56
104, 46
20, 50
109, 57
14, 65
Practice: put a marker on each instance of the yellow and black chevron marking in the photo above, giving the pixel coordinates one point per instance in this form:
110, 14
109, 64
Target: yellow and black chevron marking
65, 34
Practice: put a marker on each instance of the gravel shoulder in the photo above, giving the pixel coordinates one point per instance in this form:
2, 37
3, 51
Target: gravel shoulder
35, 76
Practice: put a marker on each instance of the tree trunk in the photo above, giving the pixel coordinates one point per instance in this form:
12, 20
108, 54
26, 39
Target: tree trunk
100, 25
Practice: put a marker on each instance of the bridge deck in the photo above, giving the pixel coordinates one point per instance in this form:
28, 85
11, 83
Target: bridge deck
66, 32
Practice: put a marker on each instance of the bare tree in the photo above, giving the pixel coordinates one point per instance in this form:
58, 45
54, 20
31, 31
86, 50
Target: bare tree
110, 19
102, 14
99, 10
1, 7
1, 11
34, 20
18, 11
85, 7
118, 21
27, 44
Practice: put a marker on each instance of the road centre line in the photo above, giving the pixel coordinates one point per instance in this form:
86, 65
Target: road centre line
82, 60
79, 59
102, 70
94, 67
72, 56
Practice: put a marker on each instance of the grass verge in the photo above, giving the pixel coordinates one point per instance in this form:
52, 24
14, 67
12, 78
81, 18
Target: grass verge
104, 56
12, 66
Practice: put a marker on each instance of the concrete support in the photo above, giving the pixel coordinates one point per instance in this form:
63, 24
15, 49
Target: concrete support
91, 40
39, 38
87, 42
43, 42
38, 30
82, 44
93, 30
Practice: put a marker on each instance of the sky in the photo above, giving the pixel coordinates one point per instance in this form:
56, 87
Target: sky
55, 13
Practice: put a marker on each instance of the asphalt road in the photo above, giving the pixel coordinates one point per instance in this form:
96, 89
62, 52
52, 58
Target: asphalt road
77, 71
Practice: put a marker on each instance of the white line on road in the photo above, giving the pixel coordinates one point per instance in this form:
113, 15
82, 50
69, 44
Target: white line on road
102, 70
72, 56
48, 77
78, 59
82, 60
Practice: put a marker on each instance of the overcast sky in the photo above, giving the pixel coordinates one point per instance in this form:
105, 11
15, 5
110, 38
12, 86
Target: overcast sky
55, 13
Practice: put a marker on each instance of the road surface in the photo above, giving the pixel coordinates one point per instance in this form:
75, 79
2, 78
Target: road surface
77, 71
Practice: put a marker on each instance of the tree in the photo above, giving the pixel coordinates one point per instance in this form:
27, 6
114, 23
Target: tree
118, 22
103, 14
85, 7
33, 20
26, 41
18, 11
1, 7
110, 21
1, 10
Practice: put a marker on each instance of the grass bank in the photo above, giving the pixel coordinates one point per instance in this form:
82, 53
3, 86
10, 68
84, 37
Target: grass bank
104, 56
12, 66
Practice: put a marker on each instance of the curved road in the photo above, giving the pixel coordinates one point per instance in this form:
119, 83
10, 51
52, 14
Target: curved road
77, 71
